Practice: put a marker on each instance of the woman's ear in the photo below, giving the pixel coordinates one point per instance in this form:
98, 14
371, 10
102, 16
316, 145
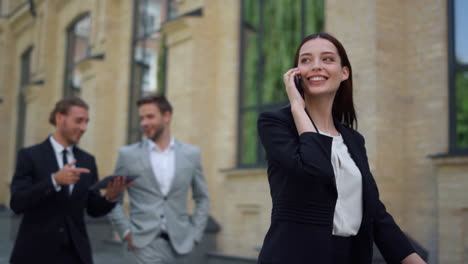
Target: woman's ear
345, 71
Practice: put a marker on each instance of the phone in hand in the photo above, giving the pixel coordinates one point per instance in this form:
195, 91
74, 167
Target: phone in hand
298, 82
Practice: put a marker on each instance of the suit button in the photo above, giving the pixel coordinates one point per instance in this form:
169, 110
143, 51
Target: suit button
61, 230
162, 216
165, 198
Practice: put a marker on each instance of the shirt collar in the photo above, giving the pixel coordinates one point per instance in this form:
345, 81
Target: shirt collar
154, 146
58, 148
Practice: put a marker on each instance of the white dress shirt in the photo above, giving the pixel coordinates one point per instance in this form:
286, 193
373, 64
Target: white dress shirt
348, 211
58, 149
163, 165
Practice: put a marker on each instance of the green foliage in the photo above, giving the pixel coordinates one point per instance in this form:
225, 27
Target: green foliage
249, 133
272, 30
161, 75
461, 108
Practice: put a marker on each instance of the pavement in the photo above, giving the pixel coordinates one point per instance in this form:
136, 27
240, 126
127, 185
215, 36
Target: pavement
105, 249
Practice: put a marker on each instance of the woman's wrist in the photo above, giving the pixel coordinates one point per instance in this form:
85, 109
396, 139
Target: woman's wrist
297, 108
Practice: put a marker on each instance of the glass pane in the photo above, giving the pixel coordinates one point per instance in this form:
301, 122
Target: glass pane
314, 16
250, 53
26, 67
150, 17
461, 38
146, 59
172, 9
249, 139
250, 81
461, 108
81, 32
161, 67
282, 34
251, 13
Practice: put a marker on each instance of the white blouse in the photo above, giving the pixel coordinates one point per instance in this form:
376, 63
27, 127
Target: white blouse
348, 211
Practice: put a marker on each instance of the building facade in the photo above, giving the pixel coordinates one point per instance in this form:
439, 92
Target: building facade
220, 63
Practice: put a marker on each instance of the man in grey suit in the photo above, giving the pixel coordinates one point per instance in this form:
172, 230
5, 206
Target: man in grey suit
159, 229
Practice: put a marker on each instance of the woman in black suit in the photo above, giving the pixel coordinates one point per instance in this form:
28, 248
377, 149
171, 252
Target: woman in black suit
326, 206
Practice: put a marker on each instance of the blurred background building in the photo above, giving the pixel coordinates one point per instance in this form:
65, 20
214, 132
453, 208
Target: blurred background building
220, 62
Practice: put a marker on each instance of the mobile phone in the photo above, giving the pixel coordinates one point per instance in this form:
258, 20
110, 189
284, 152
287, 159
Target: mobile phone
298, 82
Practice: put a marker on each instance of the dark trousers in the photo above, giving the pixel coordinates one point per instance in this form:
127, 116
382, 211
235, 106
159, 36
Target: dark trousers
68, 254
342, 249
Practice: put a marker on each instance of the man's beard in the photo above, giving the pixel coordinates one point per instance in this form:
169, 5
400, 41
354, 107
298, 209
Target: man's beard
157, 133
67, 135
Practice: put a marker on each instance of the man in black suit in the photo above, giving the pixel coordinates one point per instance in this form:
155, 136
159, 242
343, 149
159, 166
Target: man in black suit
50, 188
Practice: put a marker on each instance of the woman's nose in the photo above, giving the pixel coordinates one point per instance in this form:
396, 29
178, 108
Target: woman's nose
316, 65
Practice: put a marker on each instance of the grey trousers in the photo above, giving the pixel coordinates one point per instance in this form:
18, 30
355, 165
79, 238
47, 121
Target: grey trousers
159, 251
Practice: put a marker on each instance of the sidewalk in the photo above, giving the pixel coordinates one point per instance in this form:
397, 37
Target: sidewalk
105, 251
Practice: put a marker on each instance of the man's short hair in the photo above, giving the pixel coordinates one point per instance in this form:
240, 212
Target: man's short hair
64, 105
159, 100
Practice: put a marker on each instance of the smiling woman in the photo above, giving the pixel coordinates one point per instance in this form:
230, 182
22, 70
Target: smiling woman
326, 205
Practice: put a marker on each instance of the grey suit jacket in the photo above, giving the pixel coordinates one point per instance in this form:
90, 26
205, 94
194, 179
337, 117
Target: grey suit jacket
147, 203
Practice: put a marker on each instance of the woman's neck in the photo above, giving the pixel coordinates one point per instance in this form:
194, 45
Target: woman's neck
320, 110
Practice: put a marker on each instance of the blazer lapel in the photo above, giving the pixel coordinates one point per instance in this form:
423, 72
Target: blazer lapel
144, 156
179, 164
51, 161
49, 156
357, 155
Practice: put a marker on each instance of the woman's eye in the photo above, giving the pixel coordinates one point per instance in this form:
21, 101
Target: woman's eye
305, 60
328, 59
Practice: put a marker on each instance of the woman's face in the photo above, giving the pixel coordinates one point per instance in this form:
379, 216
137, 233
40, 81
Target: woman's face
320, 67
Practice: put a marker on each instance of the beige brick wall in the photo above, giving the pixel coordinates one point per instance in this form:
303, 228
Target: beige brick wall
427, 116
452, 209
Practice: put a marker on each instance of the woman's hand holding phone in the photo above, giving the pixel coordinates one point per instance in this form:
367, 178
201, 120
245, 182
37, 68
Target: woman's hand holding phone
293, 83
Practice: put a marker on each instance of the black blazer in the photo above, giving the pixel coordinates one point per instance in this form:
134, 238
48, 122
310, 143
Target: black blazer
48, 214
304, 194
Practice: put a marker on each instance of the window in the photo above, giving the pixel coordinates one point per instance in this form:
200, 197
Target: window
78, 49
149, 56
458, 76
270, 34
171, 9
25, 80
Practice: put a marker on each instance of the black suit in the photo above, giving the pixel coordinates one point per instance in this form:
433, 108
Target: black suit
52, 219
304, 194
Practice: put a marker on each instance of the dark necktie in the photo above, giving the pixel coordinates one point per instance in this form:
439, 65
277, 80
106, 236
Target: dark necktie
65, 187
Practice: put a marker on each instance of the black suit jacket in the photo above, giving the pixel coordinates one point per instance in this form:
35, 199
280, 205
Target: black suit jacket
48, 214
304, 194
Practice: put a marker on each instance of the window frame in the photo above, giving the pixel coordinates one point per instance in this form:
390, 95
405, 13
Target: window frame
25, 80
453, 68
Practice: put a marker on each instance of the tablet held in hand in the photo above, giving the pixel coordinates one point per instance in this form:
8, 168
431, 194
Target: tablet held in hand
102, 184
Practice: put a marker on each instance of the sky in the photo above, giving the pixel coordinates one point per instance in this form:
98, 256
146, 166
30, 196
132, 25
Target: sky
461, 31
